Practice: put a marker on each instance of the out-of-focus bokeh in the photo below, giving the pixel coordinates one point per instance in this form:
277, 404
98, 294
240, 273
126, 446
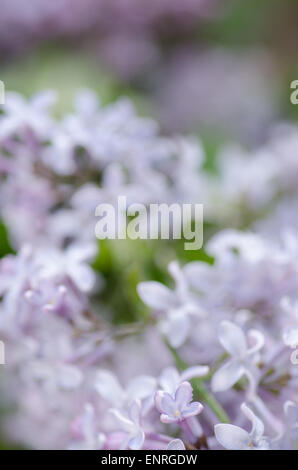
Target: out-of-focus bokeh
218, 70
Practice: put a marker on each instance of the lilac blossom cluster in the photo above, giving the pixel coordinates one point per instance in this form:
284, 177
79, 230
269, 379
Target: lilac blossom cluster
62, 169
212, 369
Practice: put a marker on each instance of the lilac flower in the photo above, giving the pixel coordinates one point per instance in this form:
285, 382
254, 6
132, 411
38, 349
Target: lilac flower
20, 115
72, 262
66, 364
109, 388
131, 425
243, 358
64, 300
235, 438
178, 306
175, 408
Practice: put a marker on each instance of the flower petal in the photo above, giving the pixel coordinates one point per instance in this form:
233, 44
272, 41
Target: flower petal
227, 376
232, 338
169, 379
156, 296
108, 387
290, 337
259, 341
257, 425
194, 371
183, 395
195, 408
166, 419
141, 387
176, 444
232, 437
137, 441
135, 412
176, 327
124, 423
291, 412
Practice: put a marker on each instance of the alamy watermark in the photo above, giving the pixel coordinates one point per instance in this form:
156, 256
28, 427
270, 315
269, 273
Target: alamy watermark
138, 221
294, 94
291, 340
2, 93
294, 355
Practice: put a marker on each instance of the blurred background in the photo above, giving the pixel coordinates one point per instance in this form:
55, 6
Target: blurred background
220, 69
217, 70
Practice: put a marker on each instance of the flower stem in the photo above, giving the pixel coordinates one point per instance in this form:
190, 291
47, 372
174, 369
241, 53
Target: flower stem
200, 389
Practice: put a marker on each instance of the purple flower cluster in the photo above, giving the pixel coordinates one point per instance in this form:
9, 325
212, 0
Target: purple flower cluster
216, 354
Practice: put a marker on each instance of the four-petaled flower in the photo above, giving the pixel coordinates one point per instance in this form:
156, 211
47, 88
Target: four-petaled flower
177, 407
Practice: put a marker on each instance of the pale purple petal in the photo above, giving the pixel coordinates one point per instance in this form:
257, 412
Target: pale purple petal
156, 296
108, 387
141, 387
290, 337
259, 341
257, 425
193, 409
176, 444
232, 338
291, 412
176, 328
225, 377
136, 442
195, 371
169, 379
135, 412
183, 395
232, 437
